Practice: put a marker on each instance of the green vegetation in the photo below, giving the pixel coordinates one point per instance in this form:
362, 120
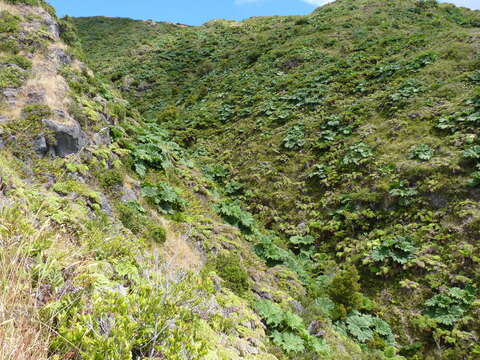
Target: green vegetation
288, 330
11, 77
350, 135
165, 196
230, 269
36, 112
271, 189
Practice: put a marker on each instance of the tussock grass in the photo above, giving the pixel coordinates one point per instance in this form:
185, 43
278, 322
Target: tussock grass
21, 333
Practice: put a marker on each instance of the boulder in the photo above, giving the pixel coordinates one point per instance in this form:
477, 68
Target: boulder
70, 138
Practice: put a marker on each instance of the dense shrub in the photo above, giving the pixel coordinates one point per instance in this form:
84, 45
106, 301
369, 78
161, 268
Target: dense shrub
230, 269
110, 178
344, 290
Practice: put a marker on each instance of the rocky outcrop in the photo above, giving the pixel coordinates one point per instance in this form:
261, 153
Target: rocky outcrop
69, 139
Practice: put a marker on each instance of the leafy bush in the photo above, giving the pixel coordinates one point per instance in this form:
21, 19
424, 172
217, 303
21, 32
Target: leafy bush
404, 193
9, 23
111, 178
449, 306
318, 171
344, 290
216, 172
295, 137
166, 197
230, 269
157, 233
132, 216
269, 251
21, 61
287, 330
421, 152
234, 215
153, 150
68, 32
399, 249
155, 318
36, 112
365, 327
234, 188
357, 154
11, 77
135, 218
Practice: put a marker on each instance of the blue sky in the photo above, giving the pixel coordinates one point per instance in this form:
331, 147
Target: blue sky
195, 12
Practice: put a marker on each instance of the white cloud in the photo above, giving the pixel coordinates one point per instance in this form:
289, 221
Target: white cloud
317, 2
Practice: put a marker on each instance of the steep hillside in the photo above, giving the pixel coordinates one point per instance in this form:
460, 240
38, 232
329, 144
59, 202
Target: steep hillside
113, 245
351, 134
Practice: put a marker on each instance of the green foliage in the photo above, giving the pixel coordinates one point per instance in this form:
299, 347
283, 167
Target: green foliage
357, 154
157, 234
288, 329
166, 197
230, 269
68, 32
155, 318
344, 290
268, 250
73, 187
421, 152
11, 77
362, 80
110, 178
216, 172
132, 216
404, 193
235, 215
295, 137
9, 23
318, 171
21, 61
399, 249
365, 327
153, 150
449, 306
36, 112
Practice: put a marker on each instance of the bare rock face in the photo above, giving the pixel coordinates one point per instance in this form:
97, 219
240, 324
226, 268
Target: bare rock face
61, 57
40, 145
10, 96
70, 138
36, 97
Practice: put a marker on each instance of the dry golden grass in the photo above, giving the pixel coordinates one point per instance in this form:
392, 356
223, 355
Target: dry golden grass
178, 253
21, 334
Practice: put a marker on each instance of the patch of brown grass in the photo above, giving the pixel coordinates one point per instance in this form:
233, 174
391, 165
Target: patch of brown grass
21, 333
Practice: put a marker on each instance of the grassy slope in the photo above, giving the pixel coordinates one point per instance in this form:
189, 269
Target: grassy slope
321, 118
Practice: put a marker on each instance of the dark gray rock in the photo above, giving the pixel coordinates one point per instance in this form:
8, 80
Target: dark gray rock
70, 138
40, 145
